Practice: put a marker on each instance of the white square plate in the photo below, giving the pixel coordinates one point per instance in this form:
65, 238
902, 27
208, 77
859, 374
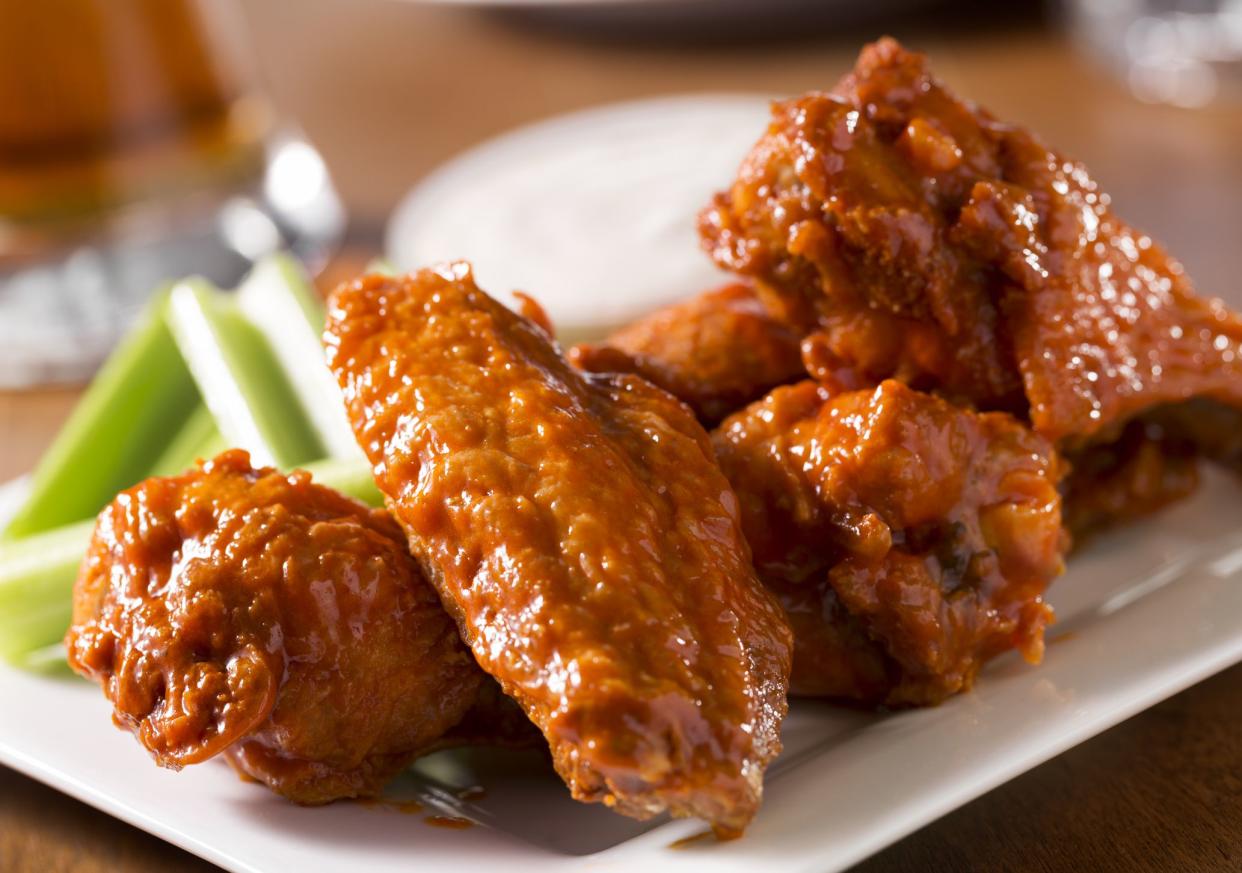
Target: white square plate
1143, 613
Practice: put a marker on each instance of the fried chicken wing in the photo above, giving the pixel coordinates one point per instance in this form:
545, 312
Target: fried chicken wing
580, 531
716, 352
243, 612
922, 239
910, 539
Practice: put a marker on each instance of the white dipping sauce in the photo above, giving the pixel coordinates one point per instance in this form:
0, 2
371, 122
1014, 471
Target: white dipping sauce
592, 214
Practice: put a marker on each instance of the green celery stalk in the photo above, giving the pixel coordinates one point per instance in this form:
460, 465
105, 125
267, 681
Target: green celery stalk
48, 661
348, 476
37, 573
36, 588
239, 378
279, 300
198, 438
139, 399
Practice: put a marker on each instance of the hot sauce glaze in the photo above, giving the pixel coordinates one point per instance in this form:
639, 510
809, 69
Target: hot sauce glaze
910, 540
243, 611
580, 531
693, 840
451, 822
928, 241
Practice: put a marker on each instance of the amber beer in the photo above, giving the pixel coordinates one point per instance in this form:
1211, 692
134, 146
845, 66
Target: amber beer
106, 103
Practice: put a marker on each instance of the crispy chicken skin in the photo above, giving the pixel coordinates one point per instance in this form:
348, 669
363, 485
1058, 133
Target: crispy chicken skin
716, 352
927, 241
243, 612
579, 529
909, 539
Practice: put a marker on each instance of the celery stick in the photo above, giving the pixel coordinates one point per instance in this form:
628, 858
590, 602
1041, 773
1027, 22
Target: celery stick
198, 438
48, 661
349, 477
140, 397
279, 300
238, 377
36, 587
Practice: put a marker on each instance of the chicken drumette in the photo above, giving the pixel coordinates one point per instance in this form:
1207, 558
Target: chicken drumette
582, 534
909, 539
243, 612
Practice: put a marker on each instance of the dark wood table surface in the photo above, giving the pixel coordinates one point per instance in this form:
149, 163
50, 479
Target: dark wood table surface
388, 90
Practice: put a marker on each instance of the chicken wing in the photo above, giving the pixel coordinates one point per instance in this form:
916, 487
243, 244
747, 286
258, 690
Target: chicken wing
925, 240
910, 539
241, 611
580, 531
716, 352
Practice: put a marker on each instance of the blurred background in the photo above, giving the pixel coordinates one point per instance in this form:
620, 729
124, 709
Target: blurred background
388, 90
146, 139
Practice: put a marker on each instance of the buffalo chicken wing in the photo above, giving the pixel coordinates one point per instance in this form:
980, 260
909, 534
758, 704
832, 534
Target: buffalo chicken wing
579, 529
909, 539
241, 611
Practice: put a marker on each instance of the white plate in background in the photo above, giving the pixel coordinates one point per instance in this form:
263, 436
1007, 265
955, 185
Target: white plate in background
1143, 613
591, 213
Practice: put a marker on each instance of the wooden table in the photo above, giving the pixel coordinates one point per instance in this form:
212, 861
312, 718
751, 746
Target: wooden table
388, 90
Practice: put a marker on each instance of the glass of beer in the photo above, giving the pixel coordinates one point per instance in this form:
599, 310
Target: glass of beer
134, 148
